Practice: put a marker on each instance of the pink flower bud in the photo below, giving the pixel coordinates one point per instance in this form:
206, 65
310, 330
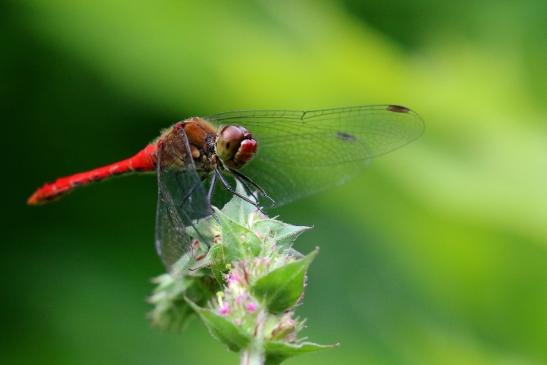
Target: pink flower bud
224, 309
240, 298
233, 278
251, 307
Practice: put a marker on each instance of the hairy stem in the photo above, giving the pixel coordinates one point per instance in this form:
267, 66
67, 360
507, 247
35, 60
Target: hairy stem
254, 354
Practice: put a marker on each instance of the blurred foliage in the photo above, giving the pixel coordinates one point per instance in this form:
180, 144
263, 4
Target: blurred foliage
443, 258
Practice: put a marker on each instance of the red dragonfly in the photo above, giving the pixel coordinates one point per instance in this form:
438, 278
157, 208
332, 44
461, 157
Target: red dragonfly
277, 156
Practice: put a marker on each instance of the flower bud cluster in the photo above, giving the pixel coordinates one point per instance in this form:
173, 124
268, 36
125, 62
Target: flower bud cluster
237, 303
244, 287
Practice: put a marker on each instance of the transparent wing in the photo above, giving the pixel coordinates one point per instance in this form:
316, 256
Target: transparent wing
182, 199
303, 152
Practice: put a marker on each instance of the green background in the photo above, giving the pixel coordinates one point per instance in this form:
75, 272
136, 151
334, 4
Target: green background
436, 255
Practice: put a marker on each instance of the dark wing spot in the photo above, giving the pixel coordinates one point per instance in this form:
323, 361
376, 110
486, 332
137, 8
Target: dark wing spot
346, 136
398, 109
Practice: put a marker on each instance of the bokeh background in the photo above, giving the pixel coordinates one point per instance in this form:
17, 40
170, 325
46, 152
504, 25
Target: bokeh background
436, 255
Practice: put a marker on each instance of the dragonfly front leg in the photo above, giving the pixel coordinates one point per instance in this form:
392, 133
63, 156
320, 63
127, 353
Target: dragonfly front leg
245, 179
248, 190
227, 186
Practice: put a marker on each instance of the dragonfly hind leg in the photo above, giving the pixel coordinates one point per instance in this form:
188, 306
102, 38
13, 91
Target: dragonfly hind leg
211, 188
183, 201
198, 233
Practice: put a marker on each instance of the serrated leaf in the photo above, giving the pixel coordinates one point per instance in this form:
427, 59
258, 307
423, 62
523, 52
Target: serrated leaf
171, 311
207, 228
281, 288
238, 209
181, 266
172, 317
277, 352
221, 328
238, 241
282, 233
216, 262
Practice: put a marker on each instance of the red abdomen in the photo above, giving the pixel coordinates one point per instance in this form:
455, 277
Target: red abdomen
145, 160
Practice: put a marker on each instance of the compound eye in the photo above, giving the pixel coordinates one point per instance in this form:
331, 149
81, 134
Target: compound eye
231, 135
229, 141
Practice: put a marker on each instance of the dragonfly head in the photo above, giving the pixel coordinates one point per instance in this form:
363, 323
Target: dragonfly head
235, 146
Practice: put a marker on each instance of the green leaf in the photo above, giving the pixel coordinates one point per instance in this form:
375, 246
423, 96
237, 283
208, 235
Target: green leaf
238, 241
207, 228
281, 288
282, 233
238, 209
221, 328
171, 311
277, 352
181, 266
216, 262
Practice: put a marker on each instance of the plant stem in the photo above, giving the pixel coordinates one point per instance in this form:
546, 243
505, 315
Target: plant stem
254, 353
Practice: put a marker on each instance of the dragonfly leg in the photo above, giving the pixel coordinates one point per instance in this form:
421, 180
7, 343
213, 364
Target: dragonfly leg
247, 188
188, 193
242, 177
189, 220
212, 188
232, 190
186, 217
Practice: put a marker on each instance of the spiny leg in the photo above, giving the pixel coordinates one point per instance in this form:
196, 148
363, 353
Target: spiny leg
242, 177
188, 193
231, 190
247, 188
212, 188
203, 239
185, 216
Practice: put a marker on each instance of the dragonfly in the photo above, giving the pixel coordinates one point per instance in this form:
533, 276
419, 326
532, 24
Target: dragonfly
277, 156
